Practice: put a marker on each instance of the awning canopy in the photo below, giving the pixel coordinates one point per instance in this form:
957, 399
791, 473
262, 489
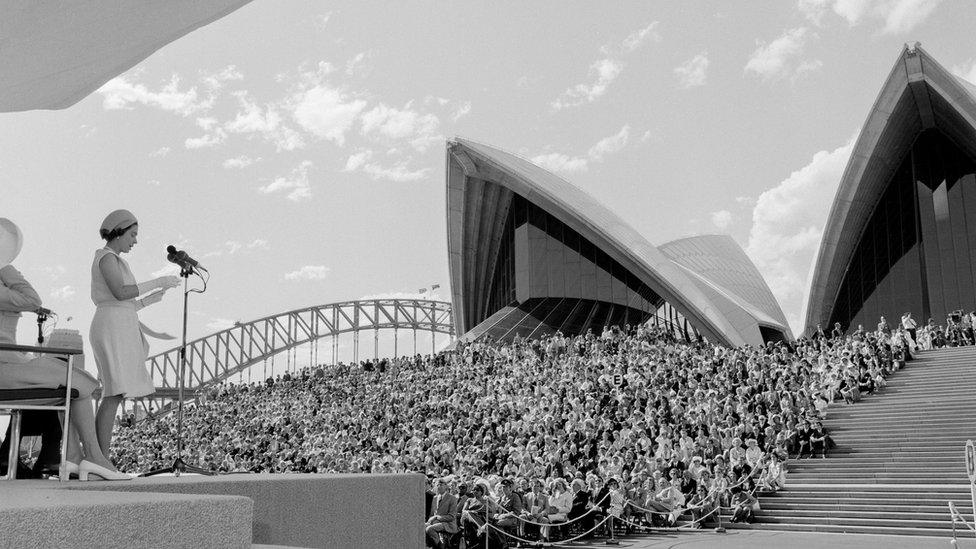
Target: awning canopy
53, 53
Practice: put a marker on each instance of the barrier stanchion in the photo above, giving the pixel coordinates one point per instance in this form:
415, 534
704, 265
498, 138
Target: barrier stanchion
613, 536
719, 529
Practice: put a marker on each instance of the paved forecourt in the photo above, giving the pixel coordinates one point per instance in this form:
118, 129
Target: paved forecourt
769, 539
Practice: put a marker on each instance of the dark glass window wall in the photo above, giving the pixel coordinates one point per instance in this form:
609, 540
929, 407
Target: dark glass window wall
918, 251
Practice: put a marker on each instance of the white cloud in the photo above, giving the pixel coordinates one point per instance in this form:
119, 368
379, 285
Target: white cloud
462, 110
160, 152
206, 123
693, 72
239, 162
120, 93
609, 144
362, 161
904, 15
252, 119
405, 123
216, 81
207, 140
399, 172
634, 40
721, 219
745, 200
434, 295
326, 112
64, 292
779, 58
296, 184
258, 244
55, 272
220, 324
559, 162
966, 71
357, 160
897, 16
321, 21
308, 272
787, 225
602, 73
356, 66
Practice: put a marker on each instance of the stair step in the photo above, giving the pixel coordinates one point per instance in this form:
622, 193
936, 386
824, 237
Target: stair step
841, 529
862, 515
941, 523
905, 468
864, 479
898, 461
885, 507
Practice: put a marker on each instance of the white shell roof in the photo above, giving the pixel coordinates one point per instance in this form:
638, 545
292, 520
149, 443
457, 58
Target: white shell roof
607, 230
918, 94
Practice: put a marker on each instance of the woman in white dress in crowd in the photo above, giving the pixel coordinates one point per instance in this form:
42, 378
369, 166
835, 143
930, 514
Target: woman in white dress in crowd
20, 371
116, 336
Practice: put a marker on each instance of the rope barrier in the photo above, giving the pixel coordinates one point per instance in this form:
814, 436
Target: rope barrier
716, 508
527, 521
553, 525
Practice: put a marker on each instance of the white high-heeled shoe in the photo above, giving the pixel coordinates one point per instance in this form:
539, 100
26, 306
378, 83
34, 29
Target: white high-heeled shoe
72, 468
86, 468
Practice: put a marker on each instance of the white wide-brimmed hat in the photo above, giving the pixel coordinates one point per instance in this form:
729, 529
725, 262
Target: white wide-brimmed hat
11, 240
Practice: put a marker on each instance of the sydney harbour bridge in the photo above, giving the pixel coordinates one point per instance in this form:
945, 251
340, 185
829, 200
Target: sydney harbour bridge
220, 356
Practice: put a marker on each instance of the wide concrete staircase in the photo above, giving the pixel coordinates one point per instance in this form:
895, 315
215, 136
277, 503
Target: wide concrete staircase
899, 457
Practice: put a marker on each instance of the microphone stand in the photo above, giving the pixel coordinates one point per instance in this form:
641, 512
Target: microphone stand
179, 466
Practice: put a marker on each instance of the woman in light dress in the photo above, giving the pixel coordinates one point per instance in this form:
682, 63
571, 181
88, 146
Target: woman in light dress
116, 336
20, 371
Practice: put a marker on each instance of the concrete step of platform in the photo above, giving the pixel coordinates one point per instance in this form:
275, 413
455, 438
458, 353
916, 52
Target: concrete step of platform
37, 514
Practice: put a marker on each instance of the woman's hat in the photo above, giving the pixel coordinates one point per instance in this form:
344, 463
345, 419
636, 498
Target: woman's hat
11, 241
117, 220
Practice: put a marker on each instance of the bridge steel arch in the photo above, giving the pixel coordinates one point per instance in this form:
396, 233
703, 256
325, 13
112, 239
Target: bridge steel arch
221, 355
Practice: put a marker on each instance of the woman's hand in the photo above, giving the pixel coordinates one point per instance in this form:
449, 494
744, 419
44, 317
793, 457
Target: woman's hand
153, 298
167, 282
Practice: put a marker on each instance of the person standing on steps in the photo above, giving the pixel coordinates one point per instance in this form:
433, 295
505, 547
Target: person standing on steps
117, 337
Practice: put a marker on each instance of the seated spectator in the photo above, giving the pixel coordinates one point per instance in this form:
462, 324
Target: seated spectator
510, 507
744, 505
703, 507
820, 441
443, 517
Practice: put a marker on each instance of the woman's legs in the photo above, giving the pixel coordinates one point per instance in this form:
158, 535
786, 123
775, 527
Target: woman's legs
49, 372
83, 426
104, 421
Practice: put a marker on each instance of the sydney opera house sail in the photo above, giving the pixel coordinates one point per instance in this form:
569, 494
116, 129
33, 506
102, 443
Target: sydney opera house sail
530, 254
901, 234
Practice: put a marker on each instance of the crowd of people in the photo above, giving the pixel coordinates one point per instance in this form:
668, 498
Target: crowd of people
668, 422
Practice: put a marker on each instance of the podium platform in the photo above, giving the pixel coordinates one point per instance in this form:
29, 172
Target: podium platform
290, 510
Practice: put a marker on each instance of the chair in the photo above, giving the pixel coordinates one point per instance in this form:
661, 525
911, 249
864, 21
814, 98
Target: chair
15, 401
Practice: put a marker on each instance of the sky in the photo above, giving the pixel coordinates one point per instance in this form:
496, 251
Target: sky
296, 148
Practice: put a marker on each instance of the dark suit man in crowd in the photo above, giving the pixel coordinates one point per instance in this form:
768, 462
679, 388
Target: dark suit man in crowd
443, 518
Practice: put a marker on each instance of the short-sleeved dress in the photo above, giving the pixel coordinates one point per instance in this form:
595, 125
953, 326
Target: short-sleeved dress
118, 344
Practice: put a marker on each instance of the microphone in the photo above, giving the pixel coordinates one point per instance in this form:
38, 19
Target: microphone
182, 259
42, 316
